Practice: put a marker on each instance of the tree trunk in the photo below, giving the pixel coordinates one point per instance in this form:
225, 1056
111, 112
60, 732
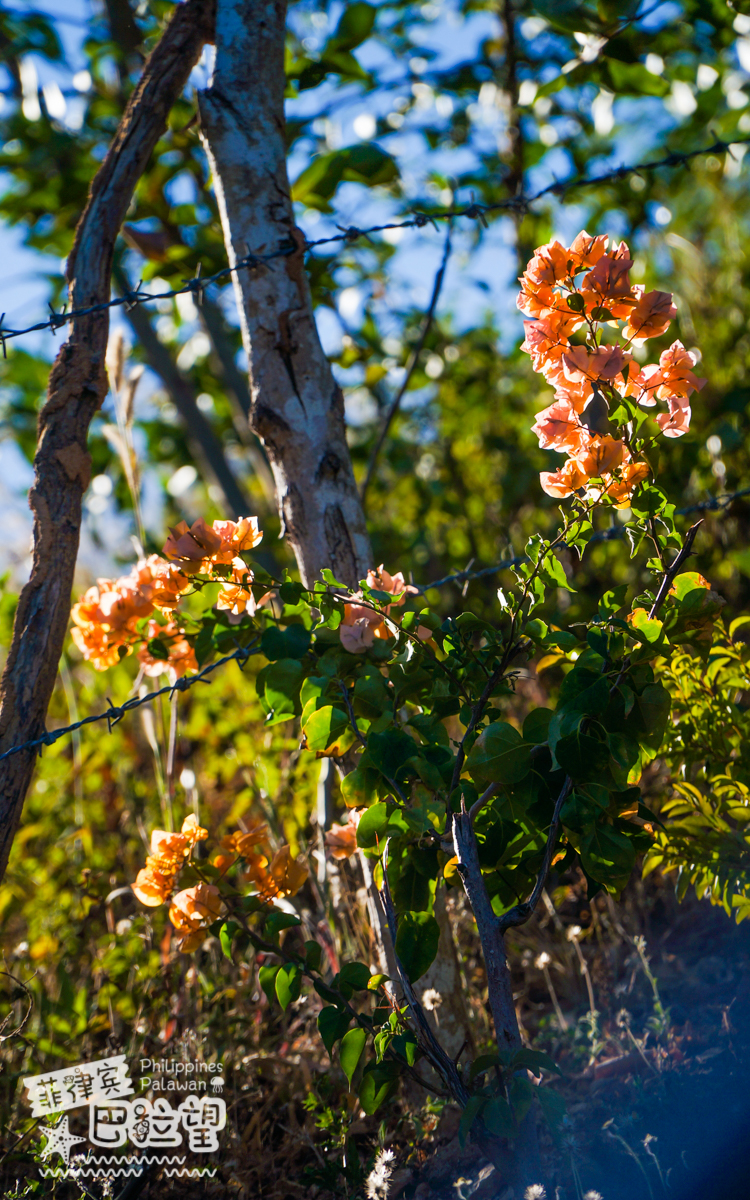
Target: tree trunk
297, 407
77, 386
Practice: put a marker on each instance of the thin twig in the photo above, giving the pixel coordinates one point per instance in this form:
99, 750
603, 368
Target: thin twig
429, 1044
520, 913
669, 574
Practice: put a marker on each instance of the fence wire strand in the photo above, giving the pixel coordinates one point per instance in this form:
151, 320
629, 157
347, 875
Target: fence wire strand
114, 714
417, 219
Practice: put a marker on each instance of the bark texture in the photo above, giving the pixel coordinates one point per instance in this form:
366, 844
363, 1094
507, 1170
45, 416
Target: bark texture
296, 406
77, 386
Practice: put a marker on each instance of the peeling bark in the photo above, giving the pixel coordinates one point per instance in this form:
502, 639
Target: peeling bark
296, 407
77, 387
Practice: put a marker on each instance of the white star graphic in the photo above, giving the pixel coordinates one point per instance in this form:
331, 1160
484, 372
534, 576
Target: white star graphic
59, 1140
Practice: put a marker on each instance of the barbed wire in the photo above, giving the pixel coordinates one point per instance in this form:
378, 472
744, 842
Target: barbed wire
114, 714
417, 219
612, 534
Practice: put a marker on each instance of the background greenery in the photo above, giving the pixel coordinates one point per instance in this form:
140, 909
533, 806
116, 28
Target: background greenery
392, 107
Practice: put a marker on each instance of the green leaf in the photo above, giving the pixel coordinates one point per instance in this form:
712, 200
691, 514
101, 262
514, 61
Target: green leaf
647, 630
267, 978
359, 788
332, 1024
372, 826
351, 1050
650, 715
535, 1060
292, 642
555, 572
417, 942
390, 751
607, 854
582, 756
313, 955
485, 1062
536, 726
498, 1117
521, 1095
278, 687
379, 1081
276, 921
326, 729
468, 1117
226, 933
499, 755
552, 1105
356, 975
407, 1046
288, 984
411, 889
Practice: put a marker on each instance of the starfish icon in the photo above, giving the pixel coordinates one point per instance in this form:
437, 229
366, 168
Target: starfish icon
59, 1140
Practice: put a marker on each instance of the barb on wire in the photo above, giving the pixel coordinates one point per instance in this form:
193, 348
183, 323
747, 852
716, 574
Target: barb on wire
613, 533
412, 366
416, 219
116, 712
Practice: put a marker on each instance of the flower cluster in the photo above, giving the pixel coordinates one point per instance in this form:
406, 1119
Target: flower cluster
155, 882
194, 909
116, 615
572, 293
362, 624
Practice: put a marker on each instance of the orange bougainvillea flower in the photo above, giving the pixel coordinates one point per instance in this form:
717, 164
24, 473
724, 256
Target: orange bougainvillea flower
192, 831
243, 841
546, 341
564, 482
673, 380
600, 456
236, 537
551, 264
606, 362
620, 491
676, 422
288, 874
341, 840
192, 546
587, 250
192, 911
235, 596
607, 284
560, 302
151, 887
356, 635
154, 884
382, 581
558, 428
161, 581
181, 656
651, 315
